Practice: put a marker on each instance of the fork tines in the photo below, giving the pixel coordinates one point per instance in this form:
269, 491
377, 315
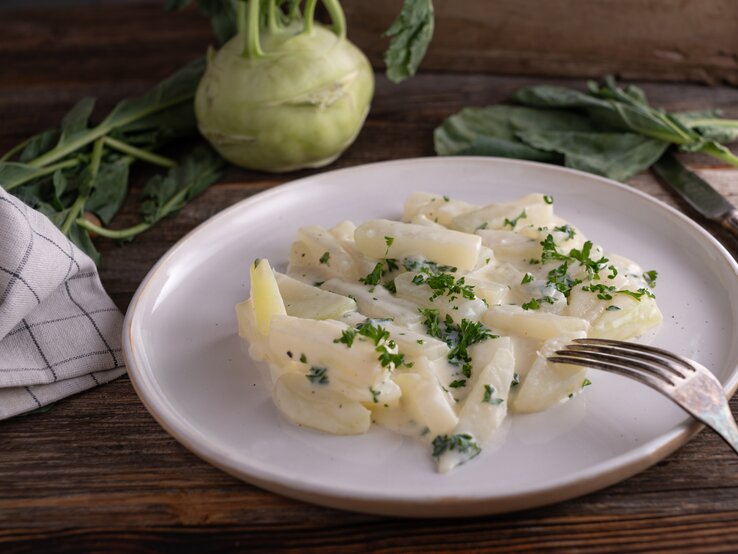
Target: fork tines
652, 366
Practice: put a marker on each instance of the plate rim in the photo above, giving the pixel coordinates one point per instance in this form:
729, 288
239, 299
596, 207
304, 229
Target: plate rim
607, 473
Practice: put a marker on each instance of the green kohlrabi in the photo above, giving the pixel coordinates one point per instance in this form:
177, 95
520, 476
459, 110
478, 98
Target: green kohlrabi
285, 92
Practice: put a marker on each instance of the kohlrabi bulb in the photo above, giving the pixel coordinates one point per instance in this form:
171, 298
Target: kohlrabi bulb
296, 97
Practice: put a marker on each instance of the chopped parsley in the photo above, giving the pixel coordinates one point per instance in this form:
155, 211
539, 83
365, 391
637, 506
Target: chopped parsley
531, 305
650, 277
613, 272
527, 278
325, 257
560, 279
586, 383
347, 337
613, 308
482, 226
489, 392
303, 358
458, 383
317, 376
446, 198
458, 337
374, 277
568, 230
603, 292
548, 199
445, 284
420, 341
462, 443
384, 345
515, 380
513, 222
426, 266
375, 395
640, 293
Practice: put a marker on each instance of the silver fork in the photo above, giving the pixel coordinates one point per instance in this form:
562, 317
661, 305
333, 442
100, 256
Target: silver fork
686, 382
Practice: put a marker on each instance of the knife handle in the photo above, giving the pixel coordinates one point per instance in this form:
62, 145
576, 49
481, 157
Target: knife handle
730, 222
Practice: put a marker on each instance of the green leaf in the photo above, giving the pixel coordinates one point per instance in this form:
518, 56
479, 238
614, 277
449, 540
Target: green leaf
618, 156
39, 144
709, 125
164, 196
492, 131
179, 87
75, 122
111, 189
157, 129
13, 173
409, 35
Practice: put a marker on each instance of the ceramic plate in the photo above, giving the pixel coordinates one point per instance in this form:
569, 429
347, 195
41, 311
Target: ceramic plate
191, 371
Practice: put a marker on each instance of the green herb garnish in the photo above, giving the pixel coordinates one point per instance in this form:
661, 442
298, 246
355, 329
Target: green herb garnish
325, 257
462, 443
489, 392
317, 376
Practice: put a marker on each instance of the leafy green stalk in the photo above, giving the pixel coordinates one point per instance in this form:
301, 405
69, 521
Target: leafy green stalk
139, 153
165, 196
79, 203
608, 130
410, 34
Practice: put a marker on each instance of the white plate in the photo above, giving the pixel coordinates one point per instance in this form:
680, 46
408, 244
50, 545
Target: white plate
188, 366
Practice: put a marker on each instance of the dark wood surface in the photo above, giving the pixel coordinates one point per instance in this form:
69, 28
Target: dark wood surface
97, 473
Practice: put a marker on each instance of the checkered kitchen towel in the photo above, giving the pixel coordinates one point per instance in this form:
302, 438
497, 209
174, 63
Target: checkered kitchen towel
59, 331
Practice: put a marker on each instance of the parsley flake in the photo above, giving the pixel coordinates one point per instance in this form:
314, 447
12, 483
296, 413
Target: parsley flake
489, 392
325, 257
462, 443
513, 222
317, 376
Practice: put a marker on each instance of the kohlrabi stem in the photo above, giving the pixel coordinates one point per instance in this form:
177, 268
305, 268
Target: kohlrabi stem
252, 48
40, 172
113, 233
139, 153
337, 17
272, 17
241, 16
724, 155
309, 16
710, 122
79, 203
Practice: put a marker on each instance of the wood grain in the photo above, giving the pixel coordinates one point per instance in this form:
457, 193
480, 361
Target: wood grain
97, 473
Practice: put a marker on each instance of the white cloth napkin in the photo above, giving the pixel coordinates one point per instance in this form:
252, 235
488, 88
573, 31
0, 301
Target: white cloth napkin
59, 331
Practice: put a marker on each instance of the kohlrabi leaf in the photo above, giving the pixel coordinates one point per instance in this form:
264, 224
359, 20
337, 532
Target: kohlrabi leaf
75, 121
483, 145
491, 131
111, 189
165, 195
409, 35
618, 156
710, 125
39, 144
179, 87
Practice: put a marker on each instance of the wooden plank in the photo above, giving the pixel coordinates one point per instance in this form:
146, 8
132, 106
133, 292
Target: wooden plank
637, 39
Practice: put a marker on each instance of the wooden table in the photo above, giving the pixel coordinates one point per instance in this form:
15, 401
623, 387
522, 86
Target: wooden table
97, 473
